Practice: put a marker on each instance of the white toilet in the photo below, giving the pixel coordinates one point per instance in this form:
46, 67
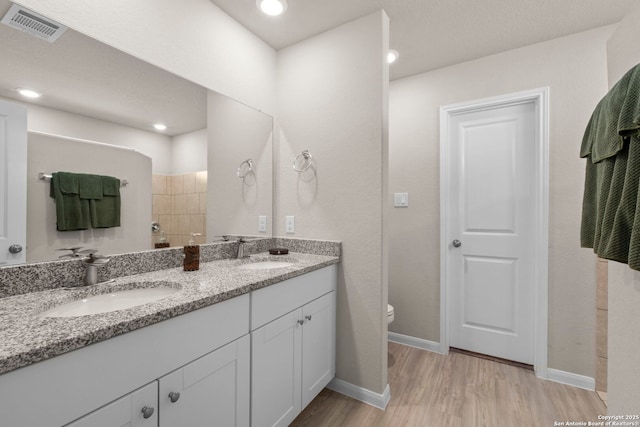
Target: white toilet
390, 313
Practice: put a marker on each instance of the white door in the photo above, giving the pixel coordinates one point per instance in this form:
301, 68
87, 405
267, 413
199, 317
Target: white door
13, 183
491, 222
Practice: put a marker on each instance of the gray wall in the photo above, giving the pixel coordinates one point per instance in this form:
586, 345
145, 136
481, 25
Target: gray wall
332, 91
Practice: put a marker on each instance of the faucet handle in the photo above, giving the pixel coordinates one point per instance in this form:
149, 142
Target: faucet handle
96, 259
76, 252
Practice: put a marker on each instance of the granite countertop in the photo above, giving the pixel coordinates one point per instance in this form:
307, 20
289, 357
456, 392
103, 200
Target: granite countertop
26, 337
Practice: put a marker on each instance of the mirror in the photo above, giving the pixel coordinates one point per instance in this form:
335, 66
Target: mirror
95, 93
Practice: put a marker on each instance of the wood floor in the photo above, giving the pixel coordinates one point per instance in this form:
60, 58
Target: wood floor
457, 390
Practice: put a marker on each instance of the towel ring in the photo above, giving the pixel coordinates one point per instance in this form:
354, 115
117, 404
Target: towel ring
243, 172
308, 160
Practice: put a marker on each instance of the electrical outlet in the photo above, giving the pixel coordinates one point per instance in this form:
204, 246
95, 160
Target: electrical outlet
262, 224
290, 224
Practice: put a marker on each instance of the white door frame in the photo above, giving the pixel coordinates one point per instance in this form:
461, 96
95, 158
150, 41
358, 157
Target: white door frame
540, 97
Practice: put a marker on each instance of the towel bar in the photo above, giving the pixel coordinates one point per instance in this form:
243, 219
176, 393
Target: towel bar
47, 177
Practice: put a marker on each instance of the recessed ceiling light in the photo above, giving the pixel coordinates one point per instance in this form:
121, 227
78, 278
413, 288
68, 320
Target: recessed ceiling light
160, 126
28, 93
272, 7
392, 56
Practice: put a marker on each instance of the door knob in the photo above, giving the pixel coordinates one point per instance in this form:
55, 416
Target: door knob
15, 249
456, 243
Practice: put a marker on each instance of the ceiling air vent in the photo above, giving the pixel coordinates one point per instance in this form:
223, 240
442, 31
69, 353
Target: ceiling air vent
33, 23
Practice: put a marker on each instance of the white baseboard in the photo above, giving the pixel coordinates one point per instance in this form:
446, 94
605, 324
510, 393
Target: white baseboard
369, 397
572, 379
415, 342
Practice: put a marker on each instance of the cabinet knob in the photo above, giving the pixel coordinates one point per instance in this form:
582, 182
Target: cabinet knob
300, 322
147, 412
174, 396
308, 317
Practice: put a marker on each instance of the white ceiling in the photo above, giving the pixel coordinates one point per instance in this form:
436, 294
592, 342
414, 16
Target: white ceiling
83, 76
431, 34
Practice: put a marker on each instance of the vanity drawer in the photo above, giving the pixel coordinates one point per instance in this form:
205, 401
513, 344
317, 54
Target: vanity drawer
274, 301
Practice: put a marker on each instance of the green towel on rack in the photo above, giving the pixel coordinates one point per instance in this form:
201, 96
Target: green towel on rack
105, 212
611, 144
90, 186
72, 213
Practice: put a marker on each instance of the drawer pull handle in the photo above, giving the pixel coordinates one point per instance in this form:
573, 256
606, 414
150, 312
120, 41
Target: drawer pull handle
147, 412
174, 396
308, 317
300, 322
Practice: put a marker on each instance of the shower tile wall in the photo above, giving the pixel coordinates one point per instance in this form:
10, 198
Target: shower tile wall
180, 206
602, 314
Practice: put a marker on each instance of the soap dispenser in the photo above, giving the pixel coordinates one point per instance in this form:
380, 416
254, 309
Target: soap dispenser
192, 254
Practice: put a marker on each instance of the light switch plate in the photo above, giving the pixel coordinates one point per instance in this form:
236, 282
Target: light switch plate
262, 223
290, 224
401, 200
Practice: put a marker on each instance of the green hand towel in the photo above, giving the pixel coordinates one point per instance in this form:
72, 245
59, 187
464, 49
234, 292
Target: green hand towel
72, 213
110, 186
90, 186
611, 143
105, 212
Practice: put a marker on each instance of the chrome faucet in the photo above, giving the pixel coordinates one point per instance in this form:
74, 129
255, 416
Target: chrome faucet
91, 263
241, 243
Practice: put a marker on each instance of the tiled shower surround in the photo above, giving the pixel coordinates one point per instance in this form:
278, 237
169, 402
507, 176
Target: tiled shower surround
180, 206
25, 278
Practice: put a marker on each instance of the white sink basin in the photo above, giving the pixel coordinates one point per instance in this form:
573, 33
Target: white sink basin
265, 265
106, 303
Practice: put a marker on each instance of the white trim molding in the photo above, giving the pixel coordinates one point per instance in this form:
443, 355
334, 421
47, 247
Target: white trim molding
369, 397
569, 378
420, 343
540, 97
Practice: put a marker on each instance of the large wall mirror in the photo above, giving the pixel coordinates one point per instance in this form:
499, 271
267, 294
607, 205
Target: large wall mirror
96, 115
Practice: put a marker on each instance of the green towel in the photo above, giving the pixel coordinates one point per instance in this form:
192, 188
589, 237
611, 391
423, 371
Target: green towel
90, 186
110, 186
611, 144
616, 117
105, 212
72, 213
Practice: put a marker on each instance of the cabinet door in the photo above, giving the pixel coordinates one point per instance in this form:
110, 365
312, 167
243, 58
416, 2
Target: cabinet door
275, 371
128, 411
210, 391
318, 346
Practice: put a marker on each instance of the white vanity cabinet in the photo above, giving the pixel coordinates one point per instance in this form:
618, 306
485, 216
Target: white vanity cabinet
101, 381
136, 409
212, 390
292, 345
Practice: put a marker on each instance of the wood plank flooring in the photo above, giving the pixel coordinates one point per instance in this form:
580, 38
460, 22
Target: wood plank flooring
457, 390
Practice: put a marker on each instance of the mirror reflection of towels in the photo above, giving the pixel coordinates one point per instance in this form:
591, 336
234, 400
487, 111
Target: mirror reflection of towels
85, 200
105, 211
90, 186
72, 213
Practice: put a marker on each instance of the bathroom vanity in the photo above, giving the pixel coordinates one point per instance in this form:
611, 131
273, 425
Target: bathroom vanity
233, 347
